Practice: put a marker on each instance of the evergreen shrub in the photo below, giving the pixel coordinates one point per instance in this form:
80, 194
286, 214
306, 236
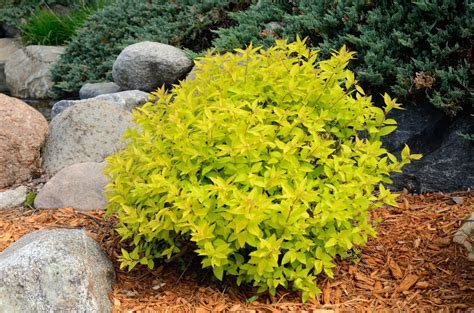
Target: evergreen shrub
183, 23
15, 12
257, 165
421, 50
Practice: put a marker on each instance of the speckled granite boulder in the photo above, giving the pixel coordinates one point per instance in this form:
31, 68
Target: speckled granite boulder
85, 132
61, 270
149, 65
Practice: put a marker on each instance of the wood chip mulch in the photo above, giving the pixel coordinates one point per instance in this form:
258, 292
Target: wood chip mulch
411, 266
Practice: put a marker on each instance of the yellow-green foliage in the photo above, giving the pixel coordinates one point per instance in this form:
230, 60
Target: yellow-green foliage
258, 164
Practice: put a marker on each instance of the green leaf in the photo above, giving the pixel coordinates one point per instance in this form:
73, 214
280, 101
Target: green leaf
218, 271
405, 153
251, 299
387, 130
330, 243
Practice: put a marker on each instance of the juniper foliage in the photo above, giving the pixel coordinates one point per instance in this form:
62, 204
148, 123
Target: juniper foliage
90, 55
421, 49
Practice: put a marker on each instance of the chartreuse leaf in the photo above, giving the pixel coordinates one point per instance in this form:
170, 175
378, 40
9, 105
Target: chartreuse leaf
386, 130
330, 243
258, 164
218, 271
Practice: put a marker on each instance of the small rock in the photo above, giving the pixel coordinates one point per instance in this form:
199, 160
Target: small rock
27, 71
96, 89
192, 74
149, 65
61, 270
79, 186
458, 200
23, 131
85, 132
61, 105
9, 31
126, 100
13, 198
463, 235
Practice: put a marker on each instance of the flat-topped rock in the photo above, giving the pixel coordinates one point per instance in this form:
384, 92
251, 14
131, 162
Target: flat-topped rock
91, 90
79, 186
126, 100
13, 197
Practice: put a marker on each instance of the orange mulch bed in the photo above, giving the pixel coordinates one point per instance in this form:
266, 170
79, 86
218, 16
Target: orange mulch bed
411, 266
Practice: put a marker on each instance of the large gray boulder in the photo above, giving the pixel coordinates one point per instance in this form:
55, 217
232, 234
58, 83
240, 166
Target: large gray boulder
85, 132
149, 65
91, 90
7, 47
126, 100
79, 186
27, 71
13, 197
448, 159
23, 131
61, 270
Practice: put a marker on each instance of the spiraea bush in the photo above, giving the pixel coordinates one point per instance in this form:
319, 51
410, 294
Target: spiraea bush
90, 55
257, 164
420, 50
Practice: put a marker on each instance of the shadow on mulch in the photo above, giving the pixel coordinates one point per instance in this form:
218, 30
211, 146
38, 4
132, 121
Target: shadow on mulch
411, 266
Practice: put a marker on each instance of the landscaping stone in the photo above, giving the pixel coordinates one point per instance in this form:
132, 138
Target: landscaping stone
93, 90
149, 65
448, 159
27, 71
126, 100
23, 131
13, 198
9, 31
62, 105
7, 47
60, 270
79, 186
85, 132
192, 74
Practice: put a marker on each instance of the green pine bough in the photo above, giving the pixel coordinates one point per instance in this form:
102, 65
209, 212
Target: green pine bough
420, 50
258, 164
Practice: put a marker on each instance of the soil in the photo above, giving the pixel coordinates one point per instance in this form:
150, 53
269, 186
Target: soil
411, 266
